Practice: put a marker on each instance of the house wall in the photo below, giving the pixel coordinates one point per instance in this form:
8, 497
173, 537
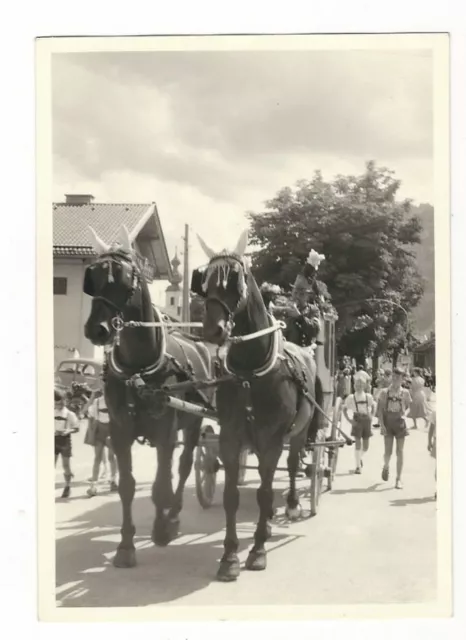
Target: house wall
174, 303
71, 311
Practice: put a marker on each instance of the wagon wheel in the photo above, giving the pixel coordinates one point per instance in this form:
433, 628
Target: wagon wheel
333, 451
317, 474
243, 460
206, 467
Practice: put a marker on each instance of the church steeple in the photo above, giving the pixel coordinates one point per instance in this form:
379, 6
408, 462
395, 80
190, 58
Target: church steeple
177, 277
173, 292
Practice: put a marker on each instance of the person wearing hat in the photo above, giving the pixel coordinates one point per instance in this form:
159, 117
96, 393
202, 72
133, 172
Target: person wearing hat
361, 406
66, 423
393, 405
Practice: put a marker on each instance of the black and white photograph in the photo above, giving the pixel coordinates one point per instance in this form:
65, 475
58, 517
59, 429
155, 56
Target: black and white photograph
243, 290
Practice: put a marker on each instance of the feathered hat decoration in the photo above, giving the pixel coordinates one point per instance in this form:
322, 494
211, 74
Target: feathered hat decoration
266, 287
314, 259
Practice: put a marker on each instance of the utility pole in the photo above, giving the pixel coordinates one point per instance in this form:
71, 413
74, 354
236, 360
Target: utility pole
186, 282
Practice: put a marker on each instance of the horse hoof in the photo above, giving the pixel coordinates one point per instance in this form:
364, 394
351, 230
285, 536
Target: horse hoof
294, 513
164, 533
229, 569
125, 558
257, 561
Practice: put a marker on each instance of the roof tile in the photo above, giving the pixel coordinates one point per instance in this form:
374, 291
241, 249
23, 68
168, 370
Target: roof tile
70, 222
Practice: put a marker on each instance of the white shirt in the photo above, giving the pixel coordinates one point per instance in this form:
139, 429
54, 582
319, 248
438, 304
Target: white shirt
65, 420
98, 410
361, 406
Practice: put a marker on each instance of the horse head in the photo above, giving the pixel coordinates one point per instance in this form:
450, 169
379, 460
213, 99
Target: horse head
223, 285
111, 281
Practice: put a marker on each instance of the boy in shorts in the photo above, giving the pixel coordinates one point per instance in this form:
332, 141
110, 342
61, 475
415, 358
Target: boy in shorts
393, 405
66, 423
362, 405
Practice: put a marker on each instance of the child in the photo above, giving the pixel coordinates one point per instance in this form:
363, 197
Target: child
66, 423
362, 406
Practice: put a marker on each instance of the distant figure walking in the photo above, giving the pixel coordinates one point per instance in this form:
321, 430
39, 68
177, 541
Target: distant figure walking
418, 409
361, 405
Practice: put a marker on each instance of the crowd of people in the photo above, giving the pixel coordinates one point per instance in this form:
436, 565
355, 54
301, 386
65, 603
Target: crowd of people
395, 396
392, 397
70, 409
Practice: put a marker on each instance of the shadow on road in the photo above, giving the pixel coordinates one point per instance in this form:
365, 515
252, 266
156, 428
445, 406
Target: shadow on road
85, 575
369, 489
409, 501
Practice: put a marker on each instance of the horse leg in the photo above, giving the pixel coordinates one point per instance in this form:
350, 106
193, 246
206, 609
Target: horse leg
191, 437
229, 568
268, 461
126, 554
293, 508
165, 528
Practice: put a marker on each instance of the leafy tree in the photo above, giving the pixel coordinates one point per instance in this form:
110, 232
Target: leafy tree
196, 313
367, 236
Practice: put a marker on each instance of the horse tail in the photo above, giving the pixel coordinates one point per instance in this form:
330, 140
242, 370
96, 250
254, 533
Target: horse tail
316, 419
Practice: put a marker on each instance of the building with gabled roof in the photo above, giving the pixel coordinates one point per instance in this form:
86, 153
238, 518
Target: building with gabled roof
73, 252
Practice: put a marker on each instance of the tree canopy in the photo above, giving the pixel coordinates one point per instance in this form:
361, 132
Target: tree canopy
368, 238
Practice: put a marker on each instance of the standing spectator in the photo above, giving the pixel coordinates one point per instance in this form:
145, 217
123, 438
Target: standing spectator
66, 423
365, 377
393, 404
341, 385
98, 436
432, 440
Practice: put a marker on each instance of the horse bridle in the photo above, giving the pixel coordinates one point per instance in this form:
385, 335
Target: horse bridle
115, 258
230, 313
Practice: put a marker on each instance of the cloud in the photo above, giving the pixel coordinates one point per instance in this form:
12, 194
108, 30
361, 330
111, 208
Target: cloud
211, 135
230, 123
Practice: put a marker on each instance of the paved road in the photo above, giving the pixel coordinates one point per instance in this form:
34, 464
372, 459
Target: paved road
369, 543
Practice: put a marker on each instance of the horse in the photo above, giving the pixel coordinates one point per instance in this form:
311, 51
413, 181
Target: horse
141, 360
265, 401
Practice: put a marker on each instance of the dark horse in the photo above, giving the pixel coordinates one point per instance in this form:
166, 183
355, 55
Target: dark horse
142, 359
265, 401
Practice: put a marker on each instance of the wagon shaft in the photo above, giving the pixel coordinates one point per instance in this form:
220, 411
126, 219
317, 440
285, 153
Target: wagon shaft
188, 407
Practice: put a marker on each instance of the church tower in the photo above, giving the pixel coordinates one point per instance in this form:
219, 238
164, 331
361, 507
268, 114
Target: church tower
173, 293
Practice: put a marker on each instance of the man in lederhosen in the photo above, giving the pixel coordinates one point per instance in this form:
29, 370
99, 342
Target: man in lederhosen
362, 406
393, 405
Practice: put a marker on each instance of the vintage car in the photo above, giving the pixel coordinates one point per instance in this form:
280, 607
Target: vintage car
82, 371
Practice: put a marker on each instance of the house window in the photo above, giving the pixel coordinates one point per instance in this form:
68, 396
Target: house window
60, 286
178, 311
172, 301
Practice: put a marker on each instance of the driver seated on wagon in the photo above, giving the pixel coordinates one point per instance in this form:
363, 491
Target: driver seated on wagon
301, 310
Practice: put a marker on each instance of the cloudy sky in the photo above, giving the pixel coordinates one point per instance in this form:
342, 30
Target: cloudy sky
210, 135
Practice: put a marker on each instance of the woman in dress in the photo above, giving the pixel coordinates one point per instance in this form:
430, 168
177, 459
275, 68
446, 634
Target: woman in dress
418, 409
